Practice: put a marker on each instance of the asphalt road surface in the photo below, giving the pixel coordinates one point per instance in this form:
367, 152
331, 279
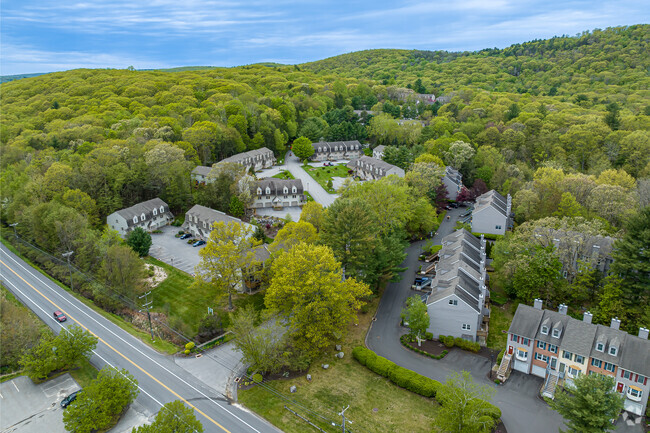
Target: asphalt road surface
160, 380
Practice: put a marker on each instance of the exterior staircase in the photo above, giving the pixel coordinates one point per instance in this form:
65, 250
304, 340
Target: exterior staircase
550, 384
504, 367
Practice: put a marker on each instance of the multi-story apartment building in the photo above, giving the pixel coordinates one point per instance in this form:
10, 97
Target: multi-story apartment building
277, 193
149, 215
559, 348
200, 175
199, 220
256, 159
368, 168
457, 304
324, 151
492, 214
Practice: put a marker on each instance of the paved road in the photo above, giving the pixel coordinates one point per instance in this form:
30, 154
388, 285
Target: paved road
522, 410
293, 164
160, 379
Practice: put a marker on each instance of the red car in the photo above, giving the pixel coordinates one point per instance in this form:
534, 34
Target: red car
59, 316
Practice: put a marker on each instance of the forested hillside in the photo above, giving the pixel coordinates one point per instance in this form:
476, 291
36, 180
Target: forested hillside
607, 62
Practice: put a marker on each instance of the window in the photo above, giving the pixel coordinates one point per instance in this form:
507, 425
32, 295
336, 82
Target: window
634, 393
600, 347
203, 224
453, 302
268, 190
135, 219
541, 345
526, 342
513, 337
259, 191
162, 209
556, 333
573, 372
466, 326
155, 212
497, 227
564, 274
540, 357
552, 348
567, 355
596, 362
142, 217
627, 374
640, 379
610, 367
580, 359
612, 351
294, 196
522, 354
294, 190
545, 330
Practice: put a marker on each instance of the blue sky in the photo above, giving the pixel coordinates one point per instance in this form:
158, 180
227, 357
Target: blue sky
54, 35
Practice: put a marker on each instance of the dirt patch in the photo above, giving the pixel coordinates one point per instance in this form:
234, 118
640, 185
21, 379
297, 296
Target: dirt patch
433, 347
159, 275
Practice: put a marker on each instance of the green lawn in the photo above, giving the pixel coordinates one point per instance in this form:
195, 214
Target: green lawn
323, 174
84, 374
376, 405
308, 196
500, 315
284, 174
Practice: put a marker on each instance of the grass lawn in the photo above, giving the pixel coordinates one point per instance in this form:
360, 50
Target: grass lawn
284, 174
84, 374
323, 174
308, 196
500, 315
345, 382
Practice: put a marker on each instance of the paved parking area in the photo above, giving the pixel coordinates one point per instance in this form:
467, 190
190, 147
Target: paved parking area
174, 251
27, 407
294, 211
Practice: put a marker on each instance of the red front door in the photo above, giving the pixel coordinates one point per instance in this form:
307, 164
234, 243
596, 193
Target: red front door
619, 387
509, 350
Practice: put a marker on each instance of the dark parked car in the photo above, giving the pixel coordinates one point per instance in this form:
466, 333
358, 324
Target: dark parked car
69, 399
59, 316
186, 236
198, 243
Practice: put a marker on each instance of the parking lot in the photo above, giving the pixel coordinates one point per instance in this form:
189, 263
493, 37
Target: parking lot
27, 407
174, 251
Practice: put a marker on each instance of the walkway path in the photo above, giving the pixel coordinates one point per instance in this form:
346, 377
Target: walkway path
292, 163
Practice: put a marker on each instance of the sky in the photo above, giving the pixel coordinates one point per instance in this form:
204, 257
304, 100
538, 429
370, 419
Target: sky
55, 35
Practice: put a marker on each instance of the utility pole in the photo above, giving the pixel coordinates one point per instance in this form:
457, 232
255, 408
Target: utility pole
67, 256
343, 415
14, 226
147, 305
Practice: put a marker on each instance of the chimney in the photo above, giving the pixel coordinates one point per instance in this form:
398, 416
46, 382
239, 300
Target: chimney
562, 309
643, 333
586, 317
616, 324
509, 205
482, 267
538, 304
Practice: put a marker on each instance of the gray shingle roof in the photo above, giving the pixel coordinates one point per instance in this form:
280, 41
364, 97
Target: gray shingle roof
211, 216
454, 175
635, 355
526, 321
277, 186
146, 207
374, 163
202, 170
241, 157
491, 199
379, 149
326, 147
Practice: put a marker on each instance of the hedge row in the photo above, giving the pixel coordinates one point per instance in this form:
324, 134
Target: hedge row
450, 341
405, 378
405, 342
488, 236
400, 376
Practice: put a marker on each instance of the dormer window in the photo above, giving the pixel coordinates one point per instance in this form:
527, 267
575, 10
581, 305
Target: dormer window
294, 190
142, 217
600, 347
612, 351
259, 191
155, 211
135, 220
556, 333
286, 190
268, 190
545, 330
162, 210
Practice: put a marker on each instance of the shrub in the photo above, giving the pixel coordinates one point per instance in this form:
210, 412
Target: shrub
257, 378
190, 345
467, 345
181, 232
500, 356
447, 340
186, 351
428, 336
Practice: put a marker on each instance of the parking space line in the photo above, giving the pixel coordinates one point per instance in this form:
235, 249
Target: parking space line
1, 396
14, 384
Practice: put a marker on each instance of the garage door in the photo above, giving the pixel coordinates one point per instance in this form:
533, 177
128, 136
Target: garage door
520, 366
538, 371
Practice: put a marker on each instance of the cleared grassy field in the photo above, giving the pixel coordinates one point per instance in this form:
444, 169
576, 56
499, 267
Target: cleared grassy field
376, 405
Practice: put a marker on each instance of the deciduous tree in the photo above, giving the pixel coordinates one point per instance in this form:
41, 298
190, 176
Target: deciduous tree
465, 405
417, 316
173, 417
139, 240
313, 213
303, 148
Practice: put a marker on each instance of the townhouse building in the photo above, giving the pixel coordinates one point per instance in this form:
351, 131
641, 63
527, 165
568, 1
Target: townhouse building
368, 168
255, 160
277, 193
457, 304
378, 152
199, 220
332, 151
149, 215
200, 175
492, 213
558, 348
453, 182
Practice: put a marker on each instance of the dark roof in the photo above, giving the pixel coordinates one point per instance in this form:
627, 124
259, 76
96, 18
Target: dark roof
552, 319
454, 175
578, 337
145, 207
526, 321
324, 146
211, 216
202, 170
374, 163
635, 355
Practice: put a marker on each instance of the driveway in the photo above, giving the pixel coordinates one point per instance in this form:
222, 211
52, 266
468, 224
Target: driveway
174, 251
293, 164
522, 409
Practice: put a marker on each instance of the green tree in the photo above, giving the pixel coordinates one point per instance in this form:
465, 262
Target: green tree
308, 291
229, 251
610, 303
465, 405
261, 346
613, 116
313, 213
236, 207
173, 417
122, 270
40, 360
569, 206
292, 234
139, 240
589, 404
303, 148
632, 264
513, 111
101, 401
417, 316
